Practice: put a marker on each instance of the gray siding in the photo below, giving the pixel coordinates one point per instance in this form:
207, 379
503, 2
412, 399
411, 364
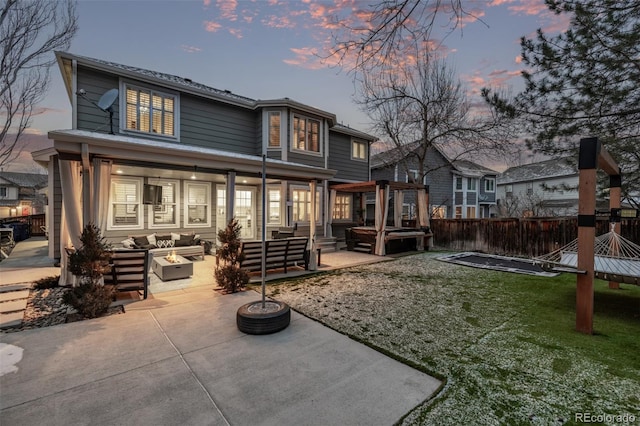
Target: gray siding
89, 116
56, 199
309, 160
340, 159
218, 126
488, 197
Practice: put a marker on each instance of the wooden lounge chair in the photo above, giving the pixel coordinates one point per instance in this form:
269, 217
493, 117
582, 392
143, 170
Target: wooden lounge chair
129, 270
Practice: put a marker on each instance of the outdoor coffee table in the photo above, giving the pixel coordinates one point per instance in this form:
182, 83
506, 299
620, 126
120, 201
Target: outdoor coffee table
166, 270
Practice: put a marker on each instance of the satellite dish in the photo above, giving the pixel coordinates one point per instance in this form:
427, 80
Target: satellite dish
107, 99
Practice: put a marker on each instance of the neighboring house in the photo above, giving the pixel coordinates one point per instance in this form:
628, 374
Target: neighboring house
457, 188
546, 188
185, 158
22, 194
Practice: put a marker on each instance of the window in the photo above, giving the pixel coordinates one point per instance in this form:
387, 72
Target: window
166, 214
458, 183
508, 191
489, 185
342, 207
412, 176
439, 212
458, 212
274, 129
125, 208
529, 188
150, 111
3, 191
197, 204
306, 134
273, 206
471, 212
472, 184
358, 150
302, 205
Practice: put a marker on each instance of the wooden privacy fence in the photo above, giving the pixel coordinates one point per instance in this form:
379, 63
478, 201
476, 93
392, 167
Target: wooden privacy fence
527, 237
35, 223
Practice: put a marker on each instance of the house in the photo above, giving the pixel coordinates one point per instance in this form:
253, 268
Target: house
545, 188
457, 188
162, 153
22, 194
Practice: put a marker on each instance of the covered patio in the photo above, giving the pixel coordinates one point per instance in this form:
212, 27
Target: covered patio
381, 233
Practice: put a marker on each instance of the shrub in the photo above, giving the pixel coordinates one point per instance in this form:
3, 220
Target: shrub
91, 298
228, 273
47, 282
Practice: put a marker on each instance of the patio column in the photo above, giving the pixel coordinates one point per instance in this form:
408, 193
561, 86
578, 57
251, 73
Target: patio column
615, 184
398, 201
313, 261
231, 195
382, 211
332, 204
423, 208
71, 221
87, 190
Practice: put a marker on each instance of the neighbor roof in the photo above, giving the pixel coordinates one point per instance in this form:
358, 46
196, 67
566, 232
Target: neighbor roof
556, 167
25, 180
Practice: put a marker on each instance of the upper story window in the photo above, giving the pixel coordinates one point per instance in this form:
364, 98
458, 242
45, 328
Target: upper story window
125, 207
306, 134
150, 111
472, 184
489, 185
3, 191
412, 176
458, 183
359, 150
274, 129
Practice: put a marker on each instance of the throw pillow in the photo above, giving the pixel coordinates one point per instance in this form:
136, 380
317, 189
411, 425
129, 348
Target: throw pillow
188, 238
182, 243
152, 239
128, 243
164, 243
140, 242
175, 236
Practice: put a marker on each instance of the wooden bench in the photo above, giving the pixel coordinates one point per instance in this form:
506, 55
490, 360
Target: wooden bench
279, 253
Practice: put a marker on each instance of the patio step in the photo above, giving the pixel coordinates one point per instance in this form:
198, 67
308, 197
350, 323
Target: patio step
364, 248
13, 302
327, 244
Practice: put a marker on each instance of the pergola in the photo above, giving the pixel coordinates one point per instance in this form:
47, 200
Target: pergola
382, 189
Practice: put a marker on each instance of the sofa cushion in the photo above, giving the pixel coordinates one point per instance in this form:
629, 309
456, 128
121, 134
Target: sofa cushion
140, 241
164, 241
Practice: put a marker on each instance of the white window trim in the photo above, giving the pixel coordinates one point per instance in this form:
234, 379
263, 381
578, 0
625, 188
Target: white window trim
138, 181
123, 110
486, 182
307, 189
413, 172
321, 135
469, 180
282, 209
266, 130
209, 203
176, 186
366, 151
350, 216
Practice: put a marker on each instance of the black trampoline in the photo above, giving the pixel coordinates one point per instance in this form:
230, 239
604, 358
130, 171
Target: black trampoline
497, 263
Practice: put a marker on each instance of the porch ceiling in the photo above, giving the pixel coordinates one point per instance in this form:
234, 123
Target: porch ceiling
130, 150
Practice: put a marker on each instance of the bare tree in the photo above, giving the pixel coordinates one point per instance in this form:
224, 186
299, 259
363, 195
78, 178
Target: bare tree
387, 28
30, 31
423, 105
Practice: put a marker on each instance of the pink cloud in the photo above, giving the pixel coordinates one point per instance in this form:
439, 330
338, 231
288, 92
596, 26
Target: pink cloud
211, 26
236, 32
190, 49
518, 59
228, 9
206, 3
274, 21
529, 7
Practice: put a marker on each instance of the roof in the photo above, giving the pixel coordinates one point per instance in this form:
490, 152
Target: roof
128, 148
469, 168
187, 85
394, 155
557, 167
25, 180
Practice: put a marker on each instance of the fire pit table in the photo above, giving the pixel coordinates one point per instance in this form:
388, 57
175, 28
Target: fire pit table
172, 268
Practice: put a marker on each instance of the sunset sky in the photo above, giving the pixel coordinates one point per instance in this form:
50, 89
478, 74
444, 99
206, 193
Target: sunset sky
267, 49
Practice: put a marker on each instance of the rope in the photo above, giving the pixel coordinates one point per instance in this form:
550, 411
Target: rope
615, 258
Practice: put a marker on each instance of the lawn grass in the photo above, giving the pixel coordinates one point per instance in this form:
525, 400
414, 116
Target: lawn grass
504, 344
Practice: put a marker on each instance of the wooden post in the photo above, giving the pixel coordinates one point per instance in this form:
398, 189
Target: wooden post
615, 182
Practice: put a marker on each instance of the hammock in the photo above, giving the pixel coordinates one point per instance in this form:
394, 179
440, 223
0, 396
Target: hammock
615, 259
